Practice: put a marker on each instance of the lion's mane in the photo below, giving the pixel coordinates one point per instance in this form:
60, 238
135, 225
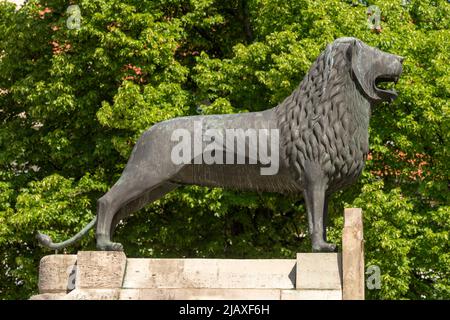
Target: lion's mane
325, 120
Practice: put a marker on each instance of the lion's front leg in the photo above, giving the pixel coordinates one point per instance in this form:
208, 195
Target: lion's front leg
316, 200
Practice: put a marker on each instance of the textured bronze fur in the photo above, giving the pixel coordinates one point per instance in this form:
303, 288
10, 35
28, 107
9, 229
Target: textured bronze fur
323, 128
325, 121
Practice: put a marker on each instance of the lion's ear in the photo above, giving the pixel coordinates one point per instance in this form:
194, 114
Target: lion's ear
360, 68
356, 60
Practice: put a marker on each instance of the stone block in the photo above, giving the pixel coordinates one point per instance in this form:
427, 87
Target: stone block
319, 271
353, 255
93, 294
48, 296
200, 294
311, 294
100, 269
54, 271
210, 273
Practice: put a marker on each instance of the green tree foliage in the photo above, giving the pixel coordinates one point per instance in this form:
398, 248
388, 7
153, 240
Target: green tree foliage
74, 101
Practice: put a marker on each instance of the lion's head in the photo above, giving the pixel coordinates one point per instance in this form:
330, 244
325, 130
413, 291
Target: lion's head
370, 67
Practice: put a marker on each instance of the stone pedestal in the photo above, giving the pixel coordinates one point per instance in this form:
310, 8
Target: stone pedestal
99, 275
110, 275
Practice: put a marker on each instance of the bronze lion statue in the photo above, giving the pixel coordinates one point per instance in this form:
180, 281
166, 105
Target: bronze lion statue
319, 144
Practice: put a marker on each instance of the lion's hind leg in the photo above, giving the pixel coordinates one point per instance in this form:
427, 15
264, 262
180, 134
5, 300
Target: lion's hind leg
129, 194
137, 204
105, 214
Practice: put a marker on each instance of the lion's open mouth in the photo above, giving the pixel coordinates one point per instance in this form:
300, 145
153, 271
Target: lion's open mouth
384, 86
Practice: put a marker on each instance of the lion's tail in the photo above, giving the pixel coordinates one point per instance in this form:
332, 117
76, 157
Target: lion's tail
46, 241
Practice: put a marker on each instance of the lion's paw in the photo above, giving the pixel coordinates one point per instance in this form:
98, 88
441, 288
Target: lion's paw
324, 247
109, 246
